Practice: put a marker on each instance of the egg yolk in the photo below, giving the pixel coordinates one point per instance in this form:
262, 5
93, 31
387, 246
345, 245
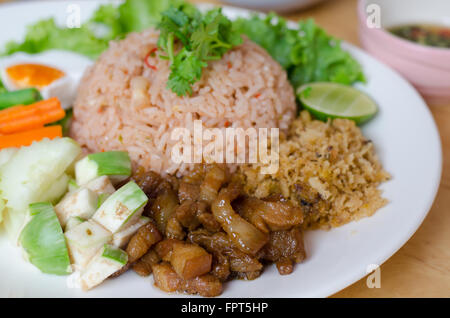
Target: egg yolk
33, 75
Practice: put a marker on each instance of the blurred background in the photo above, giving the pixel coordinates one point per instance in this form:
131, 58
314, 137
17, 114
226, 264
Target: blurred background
420, 268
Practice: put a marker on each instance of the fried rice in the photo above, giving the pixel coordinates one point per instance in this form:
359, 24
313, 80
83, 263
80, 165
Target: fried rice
123, 102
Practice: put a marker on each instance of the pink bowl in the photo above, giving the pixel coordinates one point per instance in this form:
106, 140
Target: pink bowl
427, 68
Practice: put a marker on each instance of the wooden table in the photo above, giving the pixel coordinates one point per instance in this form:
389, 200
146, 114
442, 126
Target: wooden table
421, 268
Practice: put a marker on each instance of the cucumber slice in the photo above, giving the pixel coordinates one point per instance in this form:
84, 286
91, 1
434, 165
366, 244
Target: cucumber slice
43, 241
115, 254
6, 155
115, 164
73, 222
122, 208
30, 174
107, 261
120, 239
73, 186
2, 208
82, 203
101, 185
84, 240
56, 190
101, 199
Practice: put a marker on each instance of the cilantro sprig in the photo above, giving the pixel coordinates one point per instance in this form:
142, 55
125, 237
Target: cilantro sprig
202, 37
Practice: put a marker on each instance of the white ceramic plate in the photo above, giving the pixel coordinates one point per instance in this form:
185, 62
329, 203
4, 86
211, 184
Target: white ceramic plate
407, 142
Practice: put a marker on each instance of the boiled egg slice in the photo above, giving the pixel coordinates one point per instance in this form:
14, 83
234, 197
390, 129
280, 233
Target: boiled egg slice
31, 75
54, 73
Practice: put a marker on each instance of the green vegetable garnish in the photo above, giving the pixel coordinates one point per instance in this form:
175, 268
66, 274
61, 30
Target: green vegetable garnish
43, 240
66, 122
72, 185
105, 22
20, 97
121, 208
307, 53
91, 39
332, 100
204, 37
45, 35
35, 174
138, 15
190, 38
114, 253
114, 164
102, 198
2, 87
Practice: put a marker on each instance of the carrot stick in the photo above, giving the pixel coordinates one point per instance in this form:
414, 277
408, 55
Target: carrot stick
22, 118
27, 138
27, 123
24, 111
5, 112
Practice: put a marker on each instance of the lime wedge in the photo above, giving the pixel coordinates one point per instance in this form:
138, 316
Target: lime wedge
331, 100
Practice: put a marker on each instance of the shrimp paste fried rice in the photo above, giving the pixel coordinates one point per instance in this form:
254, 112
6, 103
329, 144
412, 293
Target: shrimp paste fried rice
123, 103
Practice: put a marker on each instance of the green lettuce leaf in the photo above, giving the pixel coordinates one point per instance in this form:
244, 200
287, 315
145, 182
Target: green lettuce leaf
109, 22
137, 15
45, 35
307, 53
106, 22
